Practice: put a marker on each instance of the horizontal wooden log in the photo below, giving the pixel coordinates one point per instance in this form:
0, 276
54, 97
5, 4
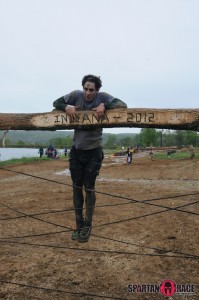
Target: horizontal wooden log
186, 119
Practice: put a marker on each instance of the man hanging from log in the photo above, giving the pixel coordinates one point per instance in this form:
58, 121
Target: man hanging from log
86, 154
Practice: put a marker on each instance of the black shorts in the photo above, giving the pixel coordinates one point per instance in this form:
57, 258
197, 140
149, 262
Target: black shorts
85, 164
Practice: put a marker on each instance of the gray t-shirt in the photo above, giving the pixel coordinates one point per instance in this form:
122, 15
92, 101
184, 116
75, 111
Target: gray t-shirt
86, 139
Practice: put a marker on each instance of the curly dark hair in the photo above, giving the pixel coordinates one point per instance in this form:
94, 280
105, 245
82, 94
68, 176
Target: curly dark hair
94, 79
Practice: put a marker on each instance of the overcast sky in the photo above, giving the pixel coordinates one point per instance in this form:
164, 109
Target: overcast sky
146, 52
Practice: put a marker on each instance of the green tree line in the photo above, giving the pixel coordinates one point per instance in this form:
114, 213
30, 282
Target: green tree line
148, 137
151, 137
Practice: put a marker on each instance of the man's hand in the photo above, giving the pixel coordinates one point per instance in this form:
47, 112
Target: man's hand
71, 112
100, 110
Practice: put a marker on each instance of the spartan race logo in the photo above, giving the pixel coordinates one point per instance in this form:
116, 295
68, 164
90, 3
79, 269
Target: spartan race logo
167, 288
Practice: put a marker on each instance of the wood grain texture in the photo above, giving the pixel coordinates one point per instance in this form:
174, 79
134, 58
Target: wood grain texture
186, 119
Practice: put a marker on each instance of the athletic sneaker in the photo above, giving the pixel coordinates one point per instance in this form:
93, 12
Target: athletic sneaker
75, 234
76, 229
84, 234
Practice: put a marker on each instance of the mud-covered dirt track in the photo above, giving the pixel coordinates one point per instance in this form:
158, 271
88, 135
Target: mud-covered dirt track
132, 242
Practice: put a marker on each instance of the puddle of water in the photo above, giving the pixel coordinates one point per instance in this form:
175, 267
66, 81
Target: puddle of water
65, 172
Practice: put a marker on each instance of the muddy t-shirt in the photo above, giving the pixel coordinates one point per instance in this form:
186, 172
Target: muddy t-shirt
86, 139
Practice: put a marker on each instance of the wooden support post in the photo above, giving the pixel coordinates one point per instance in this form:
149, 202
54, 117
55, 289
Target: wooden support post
186, 119
4, 138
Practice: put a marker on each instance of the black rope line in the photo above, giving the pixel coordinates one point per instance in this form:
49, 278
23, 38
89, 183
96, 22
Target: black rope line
104, 224
112, 195
60, 291
98, 192
83, 293
100, 225
98, 206
25, 215
102, 237
99, 250
38, 214
157, 249
72, 209
69, 229
145, 247
35, 234
38, 219
147, 215
64, 210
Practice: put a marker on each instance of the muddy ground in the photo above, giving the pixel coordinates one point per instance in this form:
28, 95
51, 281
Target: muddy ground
131, 242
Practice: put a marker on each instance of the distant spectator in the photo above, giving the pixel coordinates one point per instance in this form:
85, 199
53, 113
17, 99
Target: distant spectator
131, 154
192, 153
128, 156
41, 152
169, 152
49, 151
151, 153
65, 151
54, 154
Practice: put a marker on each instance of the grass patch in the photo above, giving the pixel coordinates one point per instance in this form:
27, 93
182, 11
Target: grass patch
25, 160
22, 160
174, 156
